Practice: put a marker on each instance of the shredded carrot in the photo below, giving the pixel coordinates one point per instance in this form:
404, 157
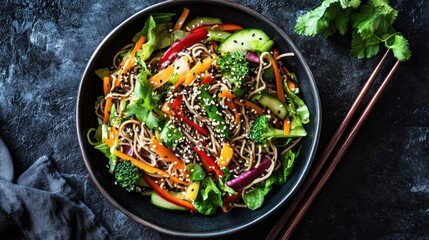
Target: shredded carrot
249, 104
162, 77
138, 46
279, 83
148, 168
113, 135
229, 27
167, 108
167, 155
226, 94
199, 68
225, 155
181, 19
129, 61
107, 141
275, 53
285, 70
106, 85
286, 126
290, 85
107, 107
231, 105
124, 69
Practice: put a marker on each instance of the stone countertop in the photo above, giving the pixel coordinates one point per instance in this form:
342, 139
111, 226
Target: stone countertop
380, 190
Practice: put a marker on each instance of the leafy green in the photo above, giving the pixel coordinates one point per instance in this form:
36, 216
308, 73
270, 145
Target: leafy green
399, 47
170, 135
144, 91
155, 25
157, 18
195, 171
371, 25
98, 143
144, 102
209, 197
239, 92
221, 182
330, 17
298, 106
234, 66
364, 48
224, 188
143, 114
255, 195
166, 39
213, 112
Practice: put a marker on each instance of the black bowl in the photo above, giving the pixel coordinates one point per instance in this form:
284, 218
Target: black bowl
138, 207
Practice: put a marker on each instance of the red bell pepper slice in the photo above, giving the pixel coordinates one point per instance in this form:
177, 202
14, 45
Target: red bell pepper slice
176, 107
192, 124
171, 53
207, 80
220, 27
231, 198
167, 196
176, 103
208, 163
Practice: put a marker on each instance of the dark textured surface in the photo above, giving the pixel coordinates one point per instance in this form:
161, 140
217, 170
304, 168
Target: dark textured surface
380, 190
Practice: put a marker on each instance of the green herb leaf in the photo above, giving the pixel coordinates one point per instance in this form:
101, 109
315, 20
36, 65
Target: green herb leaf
255, 195
400, 48
209, 197
170, 135
315, 21
364, 48
371, 22
195, 171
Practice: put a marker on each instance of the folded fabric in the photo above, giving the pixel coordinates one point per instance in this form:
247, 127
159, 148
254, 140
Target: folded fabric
41, 205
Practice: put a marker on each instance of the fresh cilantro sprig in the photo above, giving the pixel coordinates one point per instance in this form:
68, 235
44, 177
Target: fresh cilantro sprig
371, 25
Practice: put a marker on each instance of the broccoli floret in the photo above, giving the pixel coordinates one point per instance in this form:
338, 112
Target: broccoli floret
234, 66
127, 175
262, 133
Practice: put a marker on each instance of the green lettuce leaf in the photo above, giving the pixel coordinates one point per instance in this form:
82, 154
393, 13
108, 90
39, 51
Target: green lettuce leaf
209, 197
300, 107
255, 195
170, 135
195, 171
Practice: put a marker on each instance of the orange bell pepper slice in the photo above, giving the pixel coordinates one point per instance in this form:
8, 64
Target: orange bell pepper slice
148, 168
167, 155
225, 156
162, 77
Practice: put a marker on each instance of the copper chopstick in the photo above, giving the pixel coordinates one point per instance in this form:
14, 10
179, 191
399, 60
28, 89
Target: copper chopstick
297, 208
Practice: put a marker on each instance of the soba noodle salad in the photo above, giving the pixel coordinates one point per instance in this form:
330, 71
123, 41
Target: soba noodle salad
199, 115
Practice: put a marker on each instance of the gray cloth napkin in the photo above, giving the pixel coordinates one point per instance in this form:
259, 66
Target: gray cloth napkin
41, 205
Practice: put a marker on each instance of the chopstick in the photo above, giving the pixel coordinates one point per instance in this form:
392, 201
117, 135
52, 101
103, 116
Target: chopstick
302, 201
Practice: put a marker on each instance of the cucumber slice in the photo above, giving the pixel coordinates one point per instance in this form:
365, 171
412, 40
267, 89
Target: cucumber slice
269, 101
198, 21
254, 40
218, 36
160, 202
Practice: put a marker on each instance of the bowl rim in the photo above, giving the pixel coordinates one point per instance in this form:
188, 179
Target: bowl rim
317, 120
